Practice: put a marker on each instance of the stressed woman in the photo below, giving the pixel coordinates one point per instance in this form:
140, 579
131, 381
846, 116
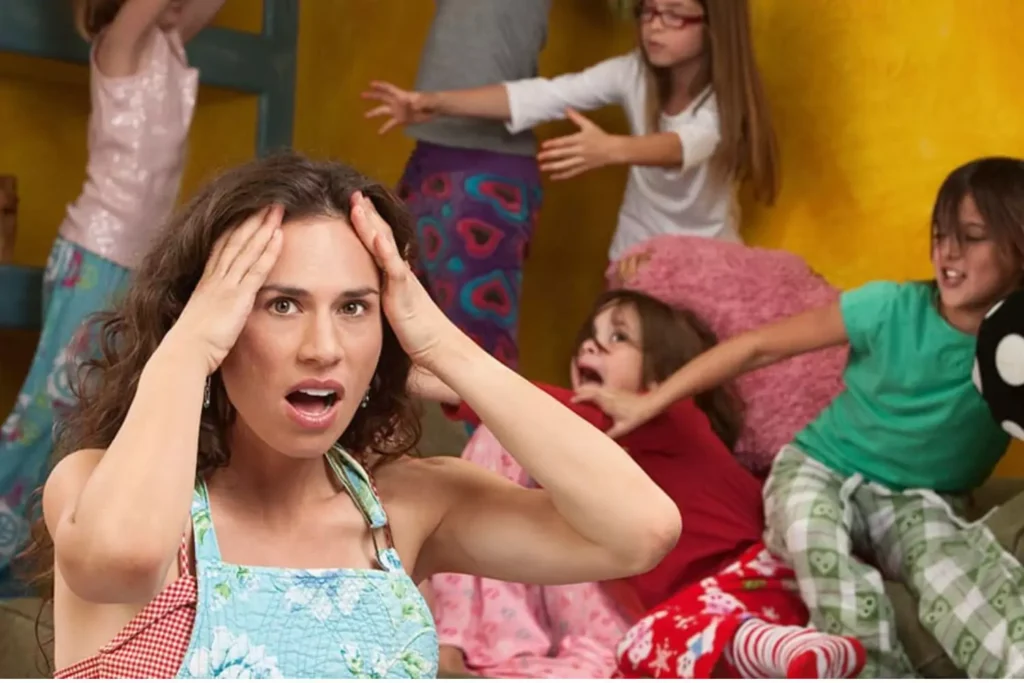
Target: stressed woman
238, 500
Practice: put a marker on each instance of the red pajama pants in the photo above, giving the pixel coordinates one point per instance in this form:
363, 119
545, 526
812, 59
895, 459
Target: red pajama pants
688, 636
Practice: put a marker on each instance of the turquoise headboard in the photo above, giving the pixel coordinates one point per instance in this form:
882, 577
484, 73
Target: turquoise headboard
259, 63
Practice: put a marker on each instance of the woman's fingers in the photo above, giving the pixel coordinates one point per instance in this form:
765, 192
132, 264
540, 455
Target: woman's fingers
366, 229
227, 246
257, 244
237, 238
377, 237
257, 274
376, 220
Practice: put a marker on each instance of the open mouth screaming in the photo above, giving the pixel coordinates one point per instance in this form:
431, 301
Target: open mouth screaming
589, 376
313, 401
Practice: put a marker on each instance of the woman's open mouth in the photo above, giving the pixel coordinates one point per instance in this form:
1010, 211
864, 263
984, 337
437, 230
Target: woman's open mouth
312, 408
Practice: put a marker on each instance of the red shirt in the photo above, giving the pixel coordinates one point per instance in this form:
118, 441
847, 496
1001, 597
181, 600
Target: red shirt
719, 500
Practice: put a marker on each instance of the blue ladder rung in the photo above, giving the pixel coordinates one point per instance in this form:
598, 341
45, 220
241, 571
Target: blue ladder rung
21, 297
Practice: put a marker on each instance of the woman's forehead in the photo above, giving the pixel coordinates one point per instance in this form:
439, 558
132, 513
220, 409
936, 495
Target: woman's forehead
323, 251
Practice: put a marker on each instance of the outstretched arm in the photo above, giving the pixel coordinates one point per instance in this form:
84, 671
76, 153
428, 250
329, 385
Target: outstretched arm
682, 145
520, 104
570, 155
802, 333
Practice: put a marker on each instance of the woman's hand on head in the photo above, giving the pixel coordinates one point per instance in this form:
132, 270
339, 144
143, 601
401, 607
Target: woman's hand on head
237, 268
627, 410
401, 107
418, 323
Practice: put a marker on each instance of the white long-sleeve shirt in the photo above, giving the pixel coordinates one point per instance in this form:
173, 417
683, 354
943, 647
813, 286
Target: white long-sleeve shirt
696, 199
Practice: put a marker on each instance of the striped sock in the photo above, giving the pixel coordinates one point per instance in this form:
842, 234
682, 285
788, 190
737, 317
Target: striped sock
763, 650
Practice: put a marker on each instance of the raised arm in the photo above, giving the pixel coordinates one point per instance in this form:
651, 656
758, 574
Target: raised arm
121, 46
809, 331
598, 516
196, 16
117, 518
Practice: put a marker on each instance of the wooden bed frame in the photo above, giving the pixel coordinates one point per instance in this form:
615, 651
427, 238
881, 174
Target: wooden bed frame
262, 64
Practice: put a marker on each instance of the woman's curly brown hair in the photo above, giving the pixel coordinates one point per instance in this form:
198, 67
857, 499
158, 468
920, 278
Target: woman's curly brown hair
387, 427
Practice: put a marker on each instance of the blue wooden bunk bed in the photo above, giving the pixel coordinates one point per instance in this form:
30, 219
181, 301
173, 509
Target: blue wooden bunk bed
262, 64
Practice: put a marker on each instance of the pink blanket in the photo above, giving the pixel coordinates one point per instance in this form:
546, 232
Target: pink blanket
512, 630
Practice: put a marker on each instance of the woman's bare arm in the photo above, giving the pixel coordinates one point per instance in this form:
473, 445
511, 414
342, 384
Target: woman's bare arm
117, 520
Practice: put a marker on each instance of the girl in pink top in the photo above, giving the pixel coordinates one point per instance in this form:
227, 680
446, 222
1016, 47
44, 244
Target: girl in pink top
143, 94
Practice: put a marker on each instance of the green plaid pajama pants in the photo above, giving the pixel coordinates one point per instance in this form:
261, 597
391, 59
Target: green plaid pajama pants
970, 591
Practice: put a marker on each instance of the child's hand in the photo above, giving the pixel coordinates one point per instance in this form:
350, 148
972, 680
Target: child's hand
627, 268
569, 156
627, 411
402, 107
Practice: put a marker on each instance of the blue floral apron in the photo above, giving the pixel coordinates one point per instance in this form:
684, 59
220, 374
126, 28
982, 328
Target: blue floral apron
268, 622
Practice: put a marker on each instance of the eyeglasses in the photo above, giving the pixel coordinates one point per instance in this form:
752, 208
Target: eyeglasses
669, 19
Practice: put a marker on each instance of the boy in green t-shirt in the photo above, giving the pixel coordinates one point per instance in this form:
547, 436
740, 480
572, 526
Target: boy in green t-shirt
876, 474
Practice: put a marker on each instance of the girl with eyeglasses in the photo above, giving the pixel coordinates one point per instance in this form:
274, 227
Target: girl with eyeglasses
696, 109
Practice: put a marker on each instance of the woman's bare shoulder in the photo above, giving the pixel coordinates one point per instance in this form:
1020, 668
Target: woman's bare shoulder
417, 472
426, 483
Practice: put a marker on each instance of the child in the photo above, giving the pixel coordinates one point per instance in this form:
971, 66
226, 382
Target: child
143, 96
473, 187
875, 473
695, 106
718, 593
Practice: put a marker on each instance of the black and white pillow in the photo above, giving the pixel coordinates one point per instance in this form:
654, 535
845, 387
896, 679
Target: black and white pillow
999, 363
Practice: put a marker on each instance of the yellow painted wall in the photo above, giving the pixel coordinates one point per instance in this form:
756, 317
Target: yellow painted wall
874, 101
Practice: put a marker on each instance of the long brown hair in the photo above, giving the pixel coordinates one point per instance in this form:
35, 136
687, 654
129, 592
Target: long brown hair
92, 16
671, 338
388, 426
749, 149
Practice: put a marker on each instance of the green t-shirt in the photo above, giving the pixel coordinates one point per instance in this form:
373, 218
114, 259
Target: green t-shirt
910, 416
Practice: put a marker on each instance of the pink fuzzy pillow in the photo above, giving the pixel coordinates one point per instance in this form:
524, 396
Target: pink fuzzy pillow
735, 288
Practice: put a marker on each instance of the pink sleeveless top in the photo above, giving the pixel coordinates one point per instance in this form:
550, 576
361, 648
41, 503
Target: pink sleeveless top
137, 133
